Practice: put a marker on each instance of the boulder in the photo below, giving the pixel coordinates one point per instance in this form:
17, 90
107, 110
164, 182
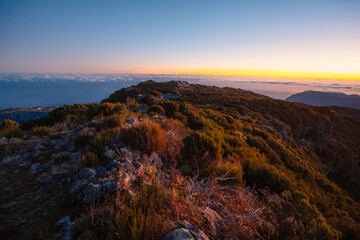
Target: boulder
77, 185
3, 140
179, 234
110, 186
87, 173
185, 231
213, 217
66, 225
101, 171
91, 192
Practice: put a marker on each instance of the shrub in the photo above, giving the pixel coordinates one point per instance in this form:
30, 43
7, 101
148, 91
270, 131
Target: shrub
90, 159
232, 172
98, 144
41, 131
200, 151
69, 113
128, 217
170, 107
8, 124
114, 121
61, 158
131, 103
156, 93
10, 129
149, 100
15, 133
108, 109
147, 137
82, 140
175, 131
156, 109
263, 175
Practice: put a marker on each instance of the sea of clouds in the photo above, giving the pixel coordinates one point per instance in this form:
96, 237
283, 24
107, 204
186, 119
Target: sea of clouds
55, 89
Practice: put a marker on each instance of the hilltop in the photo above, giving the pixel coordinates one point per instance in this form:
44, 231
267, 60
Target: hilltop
170, 159
326, 99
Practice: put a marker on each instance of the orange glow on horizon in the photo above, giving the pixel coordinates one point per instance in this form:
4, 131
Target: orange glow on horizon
250, 73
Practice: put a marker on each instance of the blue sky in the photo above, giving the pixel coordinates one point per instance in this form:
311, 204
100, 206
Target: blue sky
228, 37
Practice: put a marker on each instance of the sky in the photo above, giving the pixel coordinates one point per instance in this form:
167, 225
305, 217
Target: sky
310, 39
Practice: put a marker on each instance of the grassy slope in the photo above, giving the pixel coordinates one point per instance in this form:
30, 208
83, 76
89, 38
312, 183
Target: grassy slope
326, 168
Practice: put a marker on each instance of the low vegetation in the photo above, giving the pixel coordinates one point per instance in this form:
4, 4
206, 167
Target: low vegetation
269, 169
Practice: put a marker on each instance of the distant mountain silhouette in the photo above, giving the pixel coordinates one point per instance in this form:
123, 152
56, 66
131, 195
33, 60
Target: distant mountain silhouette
326, 99
20, 114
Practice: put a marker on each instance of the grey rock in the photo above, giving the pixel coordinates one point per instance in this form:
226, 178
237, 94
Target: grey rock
75, 156
47, 165
38, 147
131, 121
185, 231
33, 168
110, 186
77, 185
47, 179
71, 146
136, 165
101, 171
179, 234
61, 170
92, 192
87, 173
67, 236
9, 162
24, 156
3, 140
65, 223
114, 163
60, 145
24, 164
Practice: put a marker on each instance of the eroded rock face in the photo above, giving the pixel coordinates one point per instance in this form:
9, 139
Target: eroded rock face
185, 231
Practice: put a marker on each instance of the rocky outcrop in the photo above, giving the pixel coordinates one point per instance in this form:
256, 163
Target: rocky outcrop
185, 231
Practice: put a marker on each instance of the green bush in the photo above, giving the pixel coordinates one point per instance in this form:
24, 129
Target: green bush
170, 107
232, 172
156, 109
10, 129
90, 159
98, 143
115, 120
15, 133
131, 103
41, 131
147, 137
200, 151
108, 109
149, 100
8, 124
